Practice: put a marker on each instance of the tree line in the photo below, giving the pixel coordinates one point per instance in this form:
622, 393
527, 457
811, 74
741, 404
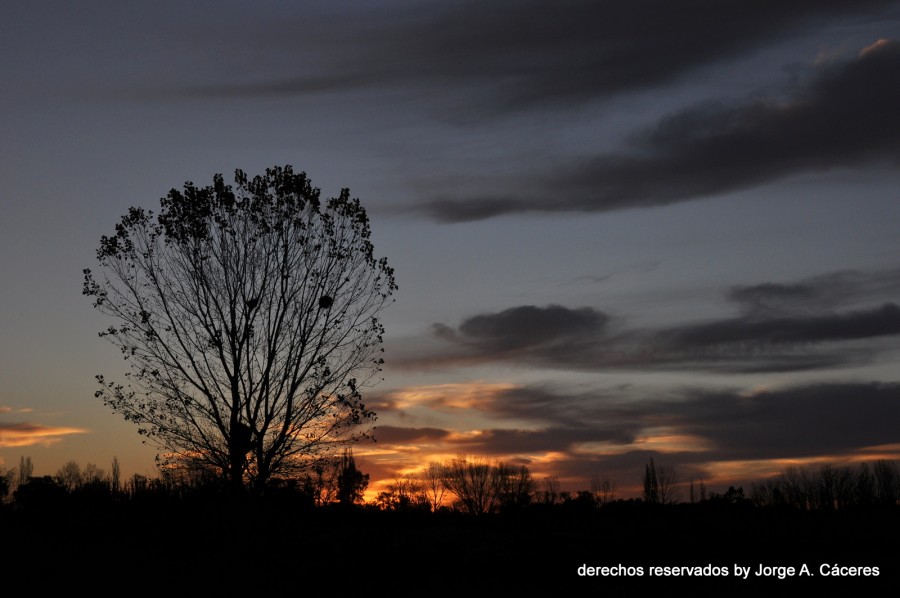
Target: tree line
326, 481
475, 486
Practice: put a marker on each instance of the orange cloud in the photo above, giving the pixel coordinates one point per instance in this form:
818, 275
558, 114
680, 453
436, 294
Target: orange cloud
447, 396
25, 434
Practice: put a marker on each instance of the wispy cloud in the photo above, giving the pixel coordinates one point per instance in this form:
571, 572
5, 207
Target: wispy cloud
780, 327
845, 118
524, 53
5, 409
28, 434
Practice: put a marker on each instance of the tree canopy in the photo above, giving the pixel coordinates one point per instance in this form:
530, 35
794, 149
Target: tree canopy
249, 316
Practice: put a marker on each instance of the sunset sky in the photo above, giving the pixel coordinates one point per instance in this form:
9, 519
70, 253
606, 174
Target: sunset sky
621, 230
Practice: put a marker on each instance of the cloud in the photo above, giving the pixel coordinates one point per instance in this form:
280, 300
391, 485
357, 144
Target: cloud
505, 441
780, 327
525, 333
845, 118
524, 53
801, 421
398, 435
6, 409
620, 429
27, 434
528, 327
829, 291
755, 331
789, 326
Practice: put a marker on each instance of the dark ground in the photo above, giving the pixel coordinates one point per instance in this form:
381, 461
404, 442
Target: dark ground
254, 546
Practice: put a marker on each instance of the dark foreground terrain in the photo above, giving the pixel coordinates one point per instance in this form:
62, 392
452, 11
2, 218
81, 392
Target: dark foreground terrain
209, 545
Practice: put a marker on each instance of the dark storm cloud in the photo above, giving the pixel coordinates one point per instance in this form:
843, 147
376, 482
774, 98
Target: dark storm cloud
794, 422
846, 117
529, 52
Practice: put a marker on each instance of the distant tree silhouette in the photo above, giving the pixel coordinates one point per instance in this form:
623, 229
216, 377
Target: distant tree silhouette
69, 476
321, 481
514, 486
831, 487
405, 493
94, 475
138, 484
249, 315
115, 484
352, 483
603, 488
4, 486
650, 483
667, 481
25, 471
886, 482
660, 483
484, 487
549, 491
433, 482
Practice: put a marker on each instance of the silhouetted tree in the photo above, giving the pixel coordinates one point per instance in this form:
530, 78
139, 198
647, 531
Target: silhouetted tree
549, 491
69, 476
732, 496
138, 484
321, 481
249, 315
667, 481
472, 484
650, 483
433, 481
115, 484
660, 483
93, 475
886, 482
406, 492
514, 485
831, 487
4, 485
603, 488
484, 487
352, 483
26, 469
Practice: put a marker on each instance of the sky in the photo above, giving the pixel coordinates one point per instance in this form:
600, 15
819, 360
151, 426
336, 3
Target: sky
621, 230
